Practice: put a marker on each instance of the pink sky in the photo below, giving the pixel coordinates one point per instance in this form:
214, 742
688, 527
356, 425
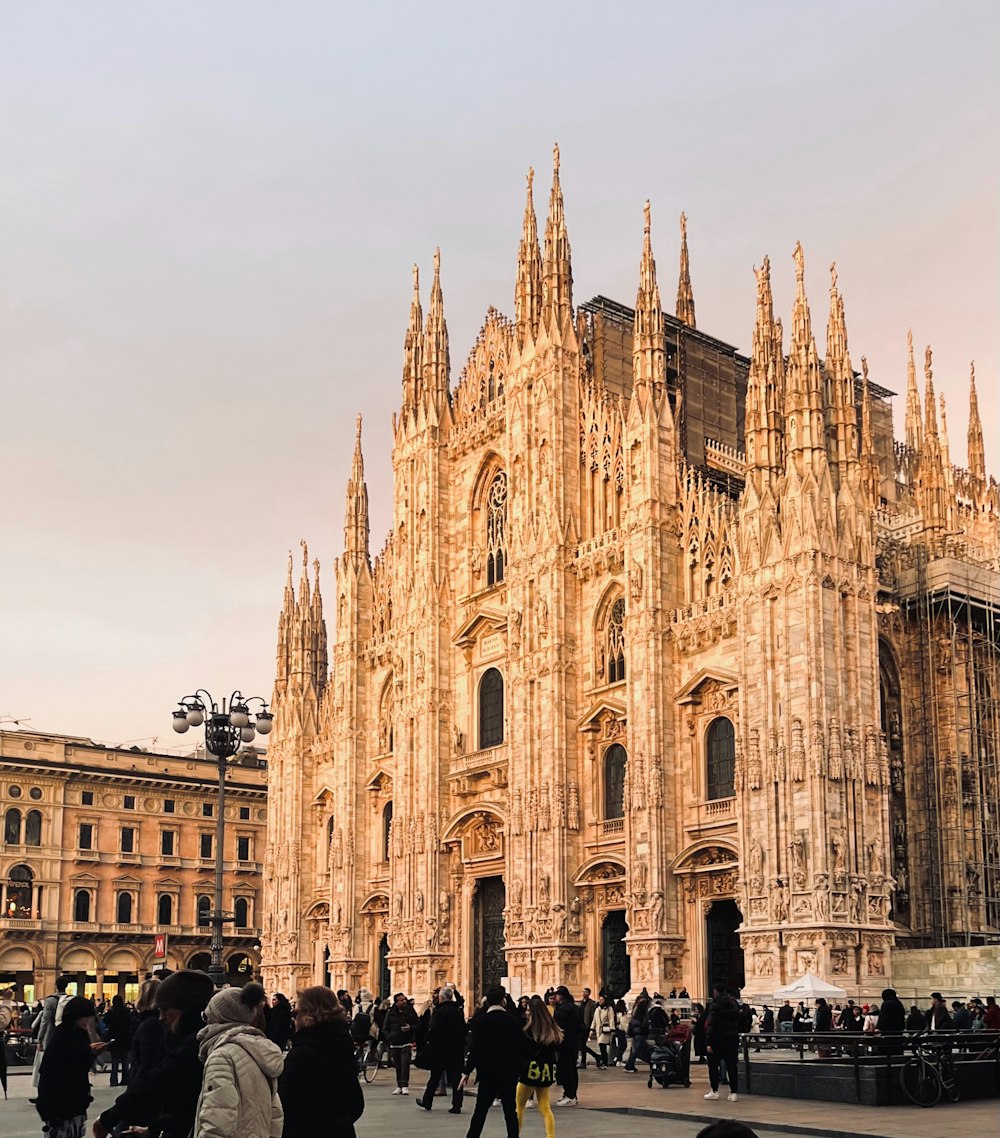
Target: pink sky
208, 215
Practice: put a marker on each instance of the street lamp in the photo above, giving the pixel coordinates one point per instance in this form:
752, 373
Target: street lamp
227, 727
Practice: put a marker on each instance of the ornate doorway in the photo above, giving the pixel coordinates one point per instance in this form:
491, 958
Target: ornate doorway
615, 964
725, 957
490, 961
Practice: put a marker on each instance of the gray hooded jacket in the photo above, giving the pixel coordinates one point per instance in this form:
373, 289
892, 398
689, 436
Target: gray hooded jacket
239, 1096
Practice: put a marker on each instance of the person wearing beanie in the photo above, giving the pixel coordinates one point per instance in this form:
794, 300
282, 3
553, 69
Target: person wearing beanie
239, 1091
165, 1098
64, 1078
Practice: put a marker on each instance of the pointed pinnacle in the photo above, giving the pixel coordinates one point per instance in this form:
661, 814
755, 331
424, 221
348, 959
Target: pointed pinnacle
800, 262
555, 159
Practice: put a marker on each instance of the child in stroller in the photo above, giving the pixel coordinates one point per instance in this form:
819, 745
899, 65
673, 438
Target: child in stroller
670, 1060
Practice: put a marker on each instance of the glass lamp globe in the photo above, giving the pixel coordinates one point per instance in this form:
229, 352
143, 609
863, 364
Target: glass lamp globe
238, 716
247, 734
180, 722
195, 717
264, 721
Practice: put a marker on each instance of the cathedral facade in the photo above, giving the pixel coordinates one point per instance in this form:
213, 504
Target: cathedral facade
676, 666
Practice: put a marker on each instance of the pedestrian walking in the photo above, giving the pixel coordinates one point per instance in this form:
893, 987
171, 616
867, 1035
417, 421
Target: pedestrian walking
722, 1037
279, 1020
400, 1031
445, 1044
538, 1072
148, 1041
319, 1088
604, 1026
64, 1078
587, 1006
495, 1053
118, 1031
568, 1018
636, 1032
45, 1022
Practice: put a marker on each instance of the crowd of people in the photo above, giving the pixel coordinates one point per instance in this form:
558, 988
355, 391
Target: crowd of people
232, 1063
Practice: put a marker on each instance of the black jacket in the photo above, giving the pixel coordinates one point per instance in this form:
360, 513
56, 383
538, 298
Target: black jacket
119, 1027
279, 1024
396, 1019
147, 1047
891, 1017
824, 1018
446, 1034
64, 1078
498, 1047
723, 1023
166, 1098
319, 1088
568, 1017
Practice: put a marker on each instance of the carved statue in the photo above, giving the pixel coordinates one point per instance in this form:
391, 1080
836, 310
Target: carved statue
756, 866
822, 899
780, 896
398, 905
544, 894
418, 901
516, 896
857, 899
542, 616
574, 921
459, 741
797, 850
876, 859
656, 912
516, 616
839, 846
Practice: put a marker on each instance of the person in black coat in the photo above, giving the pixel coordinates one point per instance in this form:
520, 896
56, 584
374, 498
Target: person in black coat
569, 1019
279, 1020
496, 1053
64, 1076
319, 1088
118, 1026
722, 1039
148, 1041
166, 1099
445, 1042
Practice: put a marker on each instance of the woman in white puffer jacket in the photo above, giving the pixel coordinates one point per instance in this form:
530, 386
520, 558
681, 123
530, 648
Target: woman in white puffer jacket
239, 1096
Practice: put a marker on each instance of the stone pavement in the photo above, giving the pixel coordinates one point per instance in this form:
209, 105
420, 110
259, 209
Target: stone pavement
614, 1103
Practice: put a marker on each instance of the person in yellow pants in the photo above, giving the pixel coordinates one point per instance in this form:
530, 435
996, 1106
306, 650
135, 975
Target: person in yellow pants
539, 1070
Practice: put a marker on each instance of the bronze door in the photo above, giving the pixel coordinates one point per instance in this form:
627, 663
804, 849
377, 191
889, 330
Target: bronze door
490, 963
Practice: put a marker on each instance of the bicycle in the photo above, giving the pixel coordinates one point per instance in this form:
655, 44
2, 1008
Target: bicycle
929, 1073
368, 1060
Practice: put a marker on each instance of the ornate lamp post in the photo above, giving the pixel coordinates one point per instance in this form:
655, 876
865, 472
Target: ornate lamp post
228, 725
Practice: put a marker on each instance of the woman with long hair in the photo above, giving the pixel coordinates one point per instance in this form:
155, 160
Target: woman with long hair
539, 1070
319, 1086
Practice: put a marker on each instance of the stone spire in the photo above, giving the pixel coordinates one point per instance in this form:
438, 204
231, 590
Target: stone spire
930, 472
528, 292
648, 344
318, 632
356, 513
557, 271
413, 348
870, 475
977, 452
765, 382
804, 439
436, 359
914, 431
286, 624
685, 294
839, 410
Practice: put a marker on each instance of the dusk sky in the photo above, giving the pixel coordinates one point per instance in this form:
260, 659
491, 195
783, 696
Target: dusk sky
208, 215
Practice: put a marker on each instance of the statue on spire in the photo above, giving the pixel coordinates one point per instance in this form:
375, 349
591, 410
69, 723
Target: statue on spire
685, 293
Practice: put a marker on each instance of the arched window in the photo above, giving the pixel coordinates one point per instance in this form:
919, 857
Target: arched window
20, 886
204, 908
12, 827
496, 529
241, 913
615, 642
615, 758
33, 828
386, 829
81, 905
124, 911
490, 709
165, 910
720, 744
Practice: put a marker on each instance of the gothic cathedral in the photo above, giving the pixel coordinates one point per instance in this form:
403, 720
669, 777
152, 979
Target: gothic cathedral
675, 666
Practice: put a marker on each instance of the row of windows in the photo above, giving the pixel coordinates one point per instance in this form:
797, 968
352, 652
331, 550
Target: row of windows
31, 831
84, 904
169, 805
128, 842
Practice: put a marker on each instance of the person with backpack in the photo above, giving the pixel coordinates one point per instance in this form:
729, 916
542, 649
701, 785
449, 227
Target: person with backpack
538, 1072
45, 1022
445, 1049
604, 1026
495, 1053
64, 1079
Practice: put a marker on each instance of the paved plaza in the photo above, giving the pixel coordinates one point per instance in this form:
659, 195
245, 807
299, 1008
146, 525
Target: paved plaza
614, 1103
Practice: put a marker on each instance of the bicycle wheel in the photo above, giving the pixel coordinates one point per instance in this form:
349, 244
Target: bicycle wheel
371, 1063
920, 1082
949, 1078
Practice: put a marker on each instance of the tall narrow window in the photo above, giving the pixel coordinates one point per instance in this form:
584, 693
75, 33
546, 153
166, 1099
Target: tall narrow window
165, 910
33, 828
242, 848
20, 887
614, 781
124, 911
241, 912
490, 709
496, 529
615, 642
386, 830
168, 844
128, 839
720, 743
81, 905
204, 908
12, 827
86, 836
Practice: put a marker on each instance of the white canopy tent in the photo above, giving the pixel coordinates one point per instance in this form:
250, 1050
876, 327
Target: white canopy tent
809, 987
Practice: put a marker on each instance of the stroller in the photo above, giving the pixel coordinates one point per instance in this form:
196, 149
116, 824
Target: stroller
670, 1060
